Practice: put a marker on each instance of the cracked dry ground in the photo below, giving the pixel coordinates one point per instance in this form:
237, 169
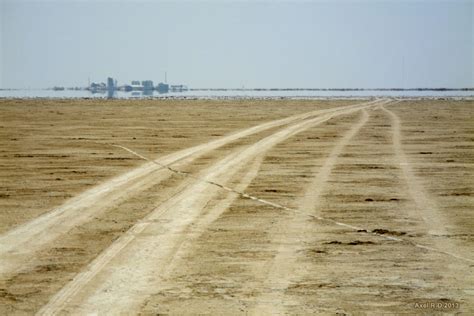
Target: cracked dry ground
400, 169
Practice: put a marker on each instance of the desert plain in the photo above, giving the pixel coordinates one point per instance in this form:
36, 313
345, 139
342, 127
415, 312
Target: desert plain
236, 207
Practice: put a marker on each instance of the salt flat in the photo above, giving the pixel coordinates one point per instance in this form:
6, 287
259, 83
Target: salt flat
238, 206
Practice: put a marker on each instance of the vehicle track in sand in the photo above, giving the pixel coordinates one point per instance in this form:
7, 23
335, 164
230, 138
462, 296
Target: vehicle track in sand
283, 264
426, 205
284, 267
224, 271
122, 286
343, 271
18, 245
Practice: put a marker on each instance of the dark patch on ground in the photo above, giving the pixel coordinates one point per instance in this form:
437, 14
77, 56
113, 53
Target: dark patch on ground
382, 231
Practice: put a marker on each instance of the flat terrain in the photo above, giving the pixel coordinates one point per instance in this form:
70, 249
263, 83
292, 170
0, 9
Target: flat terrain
236, 207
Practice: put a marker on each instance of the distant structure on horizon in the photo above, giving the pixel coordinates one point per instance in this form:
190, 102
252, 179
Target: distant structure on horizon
110, 84
145, 86
163, 87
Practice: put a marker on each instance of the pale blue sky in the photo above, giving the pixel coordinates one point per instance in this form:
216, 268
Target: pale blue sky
313, 44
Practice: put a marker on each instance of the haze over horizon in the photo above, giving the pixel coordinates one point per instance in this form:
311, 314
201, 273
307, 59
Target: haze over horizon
234, 44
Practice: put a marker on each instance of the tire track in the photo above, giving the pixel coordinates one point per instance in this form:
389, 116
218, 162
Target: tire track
86, 276
200, 225
283, 265
424, 203
434, 219
123, 287
19, 245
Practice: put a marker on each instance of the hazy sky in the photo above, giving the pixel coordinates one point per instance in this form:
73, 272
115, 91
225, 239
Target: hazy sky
229, 44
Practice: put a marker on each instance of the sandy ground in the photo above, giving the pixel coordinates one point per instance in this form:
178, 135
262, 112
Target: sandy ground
236, 207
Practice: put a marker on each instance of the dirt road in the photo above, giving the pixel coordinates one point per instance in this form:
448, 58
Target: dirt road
19, 244
326, 211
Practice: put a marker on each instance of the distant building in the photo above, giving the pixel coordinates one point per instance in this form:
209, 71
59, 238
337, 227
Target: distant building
136, 86
147, 85
163, 87
110, 84
178, 88
147, 92
98, 87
